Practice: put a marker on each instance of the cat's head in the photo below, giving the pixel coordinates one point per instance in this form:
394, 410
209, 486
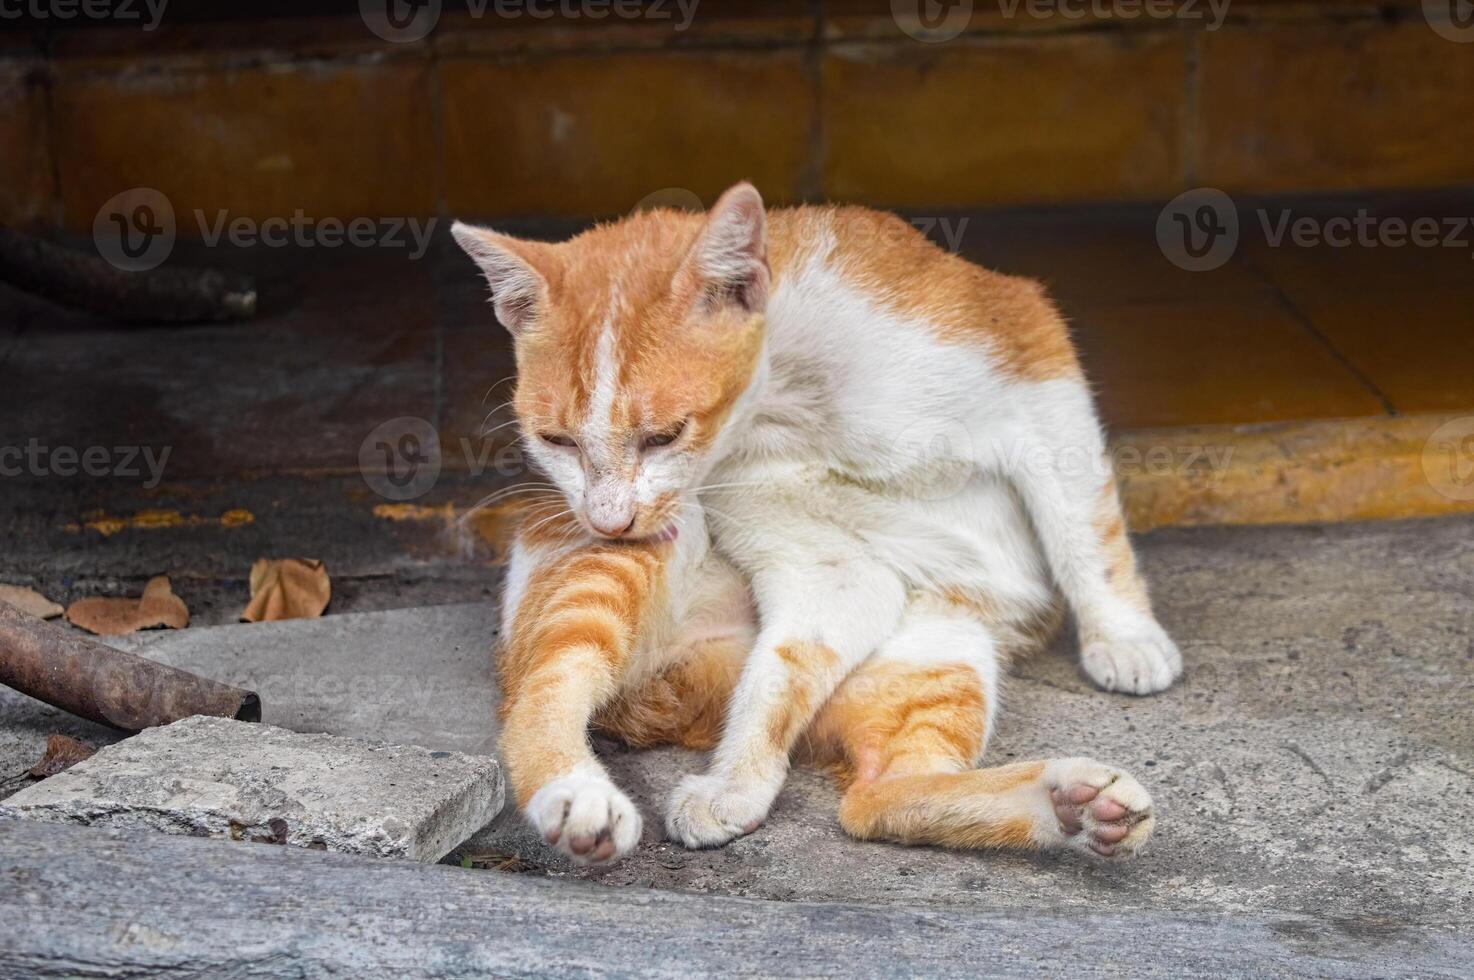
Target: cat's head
635, 341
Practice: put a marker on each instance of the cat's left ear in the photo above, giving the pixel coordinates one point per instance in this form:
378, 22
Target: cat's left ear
729, 260
515, 269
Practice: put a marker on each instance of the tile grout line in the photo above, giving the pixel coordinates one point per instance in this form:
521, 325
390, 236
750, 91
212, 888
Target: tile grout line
1320, 338
1192, 109
811, 181
442, 210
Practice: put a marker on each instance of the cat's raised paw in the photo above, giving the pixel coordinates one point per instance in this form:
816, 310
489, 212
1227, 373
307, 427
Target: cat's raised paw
585, 817
1099, 809
1137, 659
706, 812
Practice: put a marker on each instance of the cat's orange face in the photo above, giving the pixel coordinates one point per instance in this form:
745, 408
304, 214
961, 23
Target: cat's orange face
635, 343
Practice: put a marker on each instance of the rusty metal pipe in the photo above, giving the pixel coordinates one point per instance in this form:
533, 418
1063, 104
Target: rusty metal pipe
108, 686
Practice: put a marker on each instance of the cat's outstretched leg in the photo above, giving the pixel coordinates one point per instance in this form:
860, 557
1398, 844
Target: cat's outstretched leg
819, 618
911, 723
571, 633
1064, 478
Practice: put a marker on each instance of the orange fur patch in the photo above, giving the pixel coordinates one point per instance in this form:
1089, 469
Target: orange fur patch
976, 809
684, 705
891, 261
903, 718
808, 665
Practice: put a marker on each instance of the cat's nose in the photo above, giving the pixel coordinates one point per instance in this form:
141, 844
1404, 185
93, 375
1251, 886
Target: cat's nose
617, 528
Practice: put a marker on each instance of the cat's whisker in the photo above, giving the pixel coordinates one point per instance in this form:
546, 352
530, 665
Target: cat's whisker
725, 486
496, 428
565, 512
491, 498
495, 385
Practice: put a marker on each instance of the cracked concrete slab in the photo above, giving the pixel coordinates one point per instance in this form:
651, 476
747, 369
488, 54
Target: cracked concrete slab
214, 777
1317, 758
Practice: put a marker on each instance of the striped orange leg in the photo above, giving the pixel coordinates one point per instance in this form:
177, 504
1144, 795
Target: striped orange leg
909, 726
572, 635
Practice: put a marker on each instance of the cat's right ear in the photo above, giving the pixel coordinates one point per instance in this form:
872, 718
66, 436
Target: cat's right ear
519, 289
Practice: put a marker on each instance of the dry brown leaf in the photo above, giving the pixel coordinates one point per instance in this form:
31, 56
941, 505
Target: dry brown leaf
62, 752
107, 616
29, 601
287, 588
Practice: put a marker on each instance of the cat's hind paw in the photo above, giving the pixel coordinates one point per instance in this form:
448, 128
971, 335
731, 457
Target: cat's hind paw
1099, 809
585, 817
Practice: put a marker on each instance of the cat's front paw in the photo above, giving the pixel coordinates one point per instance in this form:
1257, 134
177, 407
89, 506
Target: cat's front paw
586, 817
707, 811
1099, 809
1135, 657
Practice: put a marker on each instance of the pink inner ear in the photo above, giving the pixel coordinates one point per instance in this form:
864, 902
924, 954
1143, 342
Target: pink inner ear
733, 253
517, 288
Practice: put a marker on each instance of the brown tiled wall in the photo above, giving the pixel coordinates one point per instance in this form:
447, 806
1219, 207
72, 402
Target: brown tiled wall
811, 100
1005, 119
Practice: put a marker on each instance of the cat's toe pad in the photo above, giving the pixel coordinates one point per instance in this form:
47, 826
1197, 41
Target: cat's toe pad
1098, 808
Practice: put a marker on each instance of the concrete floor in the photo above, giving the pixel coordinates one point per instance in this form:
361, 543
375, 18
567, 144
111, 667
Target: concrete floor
1317, 759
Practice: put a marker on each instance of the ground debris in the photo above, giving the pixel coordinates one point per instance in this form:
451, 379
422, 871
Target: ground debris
485, 860
287, 588
30, 601
62, 752
114, 616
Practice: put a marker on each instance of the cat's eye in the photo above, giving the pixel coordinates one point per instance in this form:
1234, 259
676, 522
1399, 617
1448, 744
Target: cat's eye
557, 439
657, 439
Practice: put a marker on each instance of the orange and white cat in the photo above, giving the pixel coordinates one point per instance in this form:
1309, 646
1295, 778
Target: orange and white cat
819, 480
